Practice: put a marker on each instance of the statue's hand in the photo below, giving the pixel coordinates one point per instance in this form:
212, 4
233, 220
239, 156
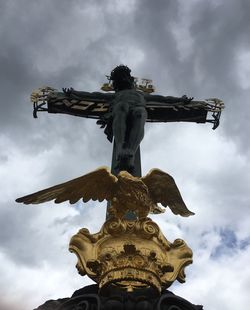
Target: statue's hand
68, 91
101, 123
186, 99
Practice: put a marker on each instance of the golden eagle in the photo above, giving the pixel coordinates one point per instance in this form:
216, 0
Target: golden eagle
125, 192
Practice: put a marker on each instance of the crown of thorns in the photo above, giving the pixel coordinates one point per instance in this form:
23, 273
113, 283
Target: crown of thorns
121, 69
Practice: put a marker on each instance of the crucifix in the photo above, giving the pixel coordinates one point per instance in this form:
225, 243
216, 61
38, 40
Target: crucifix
123, 110
129, 256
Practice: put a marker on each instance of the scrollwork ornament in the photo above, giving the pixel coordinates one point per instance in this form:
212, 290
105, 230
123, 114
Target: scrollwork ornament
114, 226
177, 243
150, 229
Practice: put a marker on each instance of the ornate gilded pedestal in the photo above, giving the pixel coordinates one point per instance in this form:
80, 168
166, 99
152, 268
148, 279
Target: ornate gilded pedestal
130, 255
131, 260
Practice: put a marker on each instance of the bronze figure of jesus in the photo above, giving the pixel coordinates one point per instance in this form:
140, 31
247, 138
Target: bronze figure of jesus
127, 114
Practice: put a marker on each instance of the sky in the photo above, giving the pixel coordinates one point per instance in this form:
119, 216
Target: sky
200, 48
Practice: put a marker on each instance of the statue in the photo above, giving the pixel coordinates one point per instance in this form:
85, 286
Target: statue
129, 258
127, 114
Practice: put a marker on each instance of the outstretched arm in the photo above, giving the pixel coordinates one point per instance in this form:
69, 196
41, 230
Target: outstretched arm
75, 94
168, 99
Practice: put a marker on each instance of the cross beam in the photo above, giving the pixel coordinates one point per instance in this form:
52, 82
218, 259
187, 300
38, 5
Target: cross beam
206, 111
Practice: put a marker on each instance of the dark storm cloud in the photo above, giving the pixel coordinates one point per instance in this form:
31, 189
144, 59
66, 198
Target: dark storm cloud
24, 26
187, 47
21, 72
219, 33
29, 37
51, 43
153, 32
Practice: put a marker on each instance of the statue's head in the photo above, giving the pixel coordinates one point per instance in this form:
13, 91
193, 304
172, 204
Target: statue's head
121, 78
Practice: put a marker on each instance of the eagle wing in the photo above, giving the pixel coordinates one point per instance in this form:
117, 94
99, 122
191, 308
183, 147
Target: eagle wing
96, 185
162, 189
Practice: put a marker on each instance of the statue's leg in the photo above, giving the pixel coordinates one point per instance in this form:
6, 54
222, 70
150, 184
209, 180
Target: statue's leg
138, 117
120, 114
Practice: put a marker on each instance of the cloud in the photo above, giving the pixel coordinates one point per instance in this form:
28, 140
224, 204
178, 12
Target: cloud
196, 48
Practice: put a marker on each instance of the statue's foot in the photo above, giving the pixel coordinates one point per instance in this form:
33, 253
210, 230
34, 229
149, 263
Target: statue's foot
126, 160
